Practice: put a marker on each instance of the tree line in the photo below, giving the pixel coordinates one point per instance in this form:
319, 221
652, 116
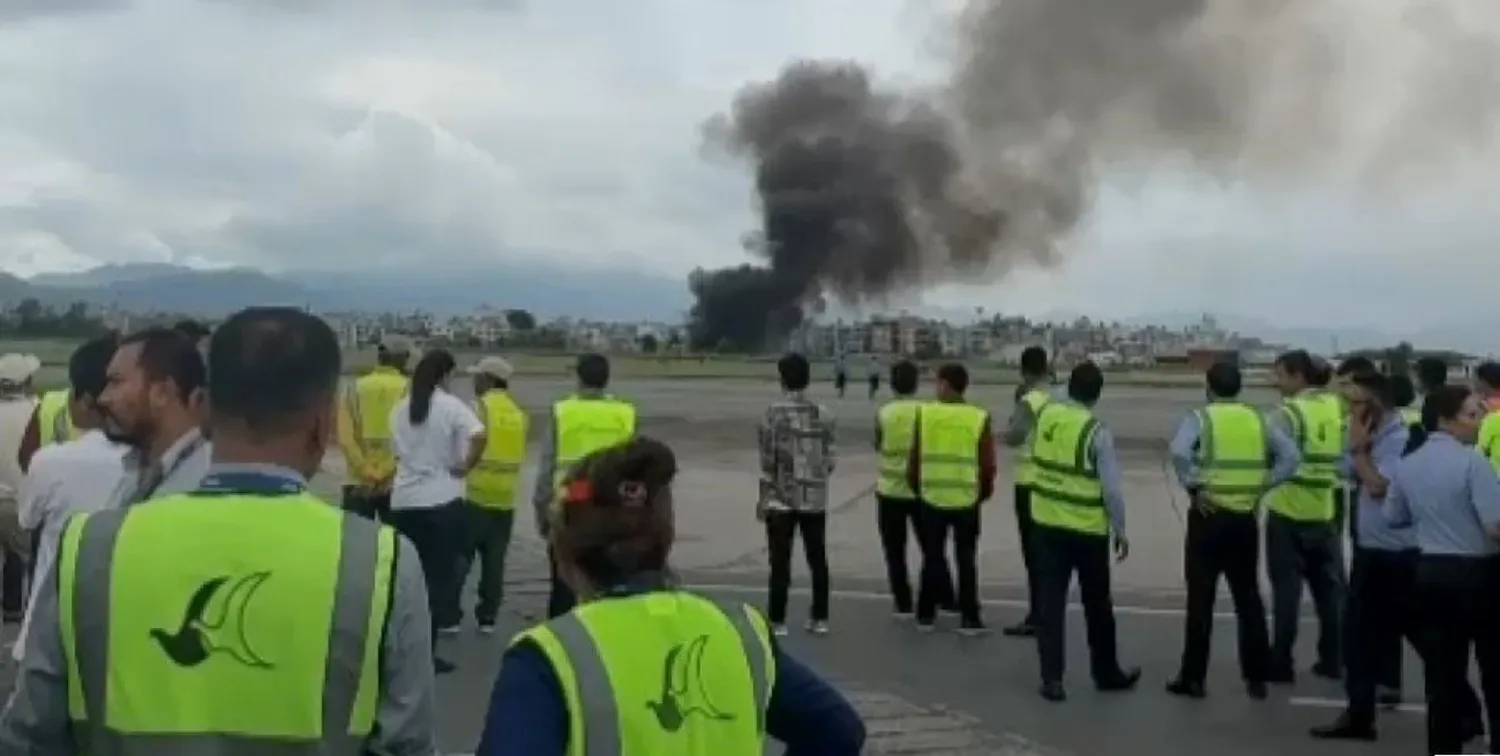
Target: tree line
30, 319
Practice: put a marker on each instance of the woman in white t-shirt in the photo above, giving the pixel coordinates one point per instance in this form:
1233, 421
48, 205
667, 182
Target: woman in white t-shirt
437, 440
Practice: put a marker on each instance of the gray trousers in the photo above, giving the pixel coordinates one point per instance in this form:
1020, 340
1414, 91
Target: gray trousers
487, 534
1311, 553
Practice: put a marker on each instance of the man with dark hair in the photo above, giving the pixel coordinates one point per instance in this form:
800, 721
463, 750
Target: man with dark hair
153, 401
251, 541
1354, 365
195, 331
1303, 538
797, 456
1031, 396
1078, 505
1404, 400
364, 431
897, 504
1432, 374
1227, 459
951, 469
585, 421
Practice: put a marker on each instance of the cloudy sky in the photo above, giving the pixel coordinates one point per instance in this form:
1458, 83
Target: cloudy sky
343, 133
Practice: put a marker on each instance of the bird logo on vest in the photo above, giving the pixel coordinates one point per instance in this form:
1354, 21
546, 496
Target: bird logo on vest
682, 691
222, 631
1049, 432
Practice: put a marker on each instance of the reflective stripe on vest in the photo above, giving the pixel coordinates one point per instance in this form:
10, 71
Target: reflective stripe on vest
898, 427
264, 687
950, 436
611, 674
54, 425
370, 400
492, 484
1317, 427
1066, 492
1232, 455
1035, 399
585, 426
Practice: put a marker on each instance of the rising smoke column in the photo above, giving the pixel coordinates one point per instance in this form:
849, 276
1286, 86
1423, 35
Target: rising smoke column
866, 191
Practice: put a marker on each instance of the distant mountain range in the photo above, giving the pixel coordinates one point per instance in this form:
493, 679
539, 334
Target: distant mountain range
546, 291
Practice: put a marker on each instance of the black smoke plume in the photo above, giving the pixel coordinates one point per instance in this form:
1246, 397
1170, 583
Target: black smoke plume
865, 191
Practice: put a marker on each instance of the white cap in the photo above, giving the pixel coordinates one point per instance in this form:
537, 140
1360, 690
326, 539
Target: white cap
495, 367
18, 368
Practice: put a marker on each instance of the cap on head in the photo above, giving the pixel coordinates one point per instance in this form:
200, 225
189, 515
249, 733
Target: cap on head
494, 367
18, 368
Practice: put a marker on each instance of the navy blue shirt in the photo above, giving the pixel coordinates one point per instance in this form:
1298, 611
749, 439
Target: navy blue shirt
528, 715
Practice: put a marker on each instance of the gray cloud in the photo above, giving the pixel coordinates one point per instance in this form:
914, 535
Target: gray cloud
21, 10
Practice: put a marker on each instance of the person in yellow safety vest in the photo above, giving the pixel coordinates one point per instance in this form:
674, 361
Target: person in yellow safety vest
1078, 504
1339, 395
1487, 385
896, 504
581, 423
952, 470
248, 616
49, 424
364, 432
490, 493
1033, 393
1227, 458
1303, 538
640, 668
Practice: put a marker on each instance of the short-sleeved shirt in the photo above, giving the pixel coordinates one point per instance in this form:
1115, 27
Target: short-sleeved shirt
1449, 494
428, 453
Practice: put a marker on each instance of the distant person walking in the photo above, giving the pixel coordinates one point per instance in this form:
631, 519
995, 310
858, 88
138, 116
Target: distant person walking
841, 374
874, 376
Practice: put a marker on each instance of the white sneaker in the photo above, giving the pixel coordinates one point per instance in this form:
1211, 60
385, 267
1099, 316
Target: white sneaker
486, 629
779, 631
817, 627
450, 630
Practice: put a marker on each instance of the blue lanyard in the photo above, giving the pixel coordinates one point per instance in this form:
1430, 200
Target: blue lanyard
251, 483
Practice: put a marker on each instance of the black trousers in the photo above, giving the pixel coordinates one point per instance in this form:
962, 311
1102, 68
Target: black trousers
897, 517
374, 506
781, 532
1311, 553
560, 597
934, 525
1456, 596
874, 386
434, 533
1059, 555
12, 583
1226, 544
1024, 526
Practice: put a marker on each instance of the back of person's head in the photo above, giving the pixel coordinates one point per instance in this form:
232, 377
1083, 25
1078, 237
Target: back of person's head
1356, 364
1375, 386
616, 519
1447, 405
1085, 383
167, 355
1224, 380
795, 372
904, 378
1432, 372
192, 329
955, 377
88, 368
1033, 362
1488, 373
393, 351
275, 372
1403, 391
431, 372
593, 371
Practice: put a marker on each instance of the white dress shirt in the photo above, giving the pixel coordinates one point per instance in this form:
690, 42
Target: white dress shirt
84, 475
427, 454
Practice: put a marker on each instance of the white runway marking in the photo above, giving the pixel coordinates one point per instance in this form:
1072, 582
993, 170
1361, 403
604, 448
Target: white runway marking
1339, 703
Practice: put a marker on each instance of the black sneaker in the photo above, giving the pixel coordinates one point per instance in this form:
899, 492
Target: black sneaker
1053, 691
1328, 671
442, 666
1388, 698
1023, 630
1186, 689
1344, 728
1121, 681
1256, 690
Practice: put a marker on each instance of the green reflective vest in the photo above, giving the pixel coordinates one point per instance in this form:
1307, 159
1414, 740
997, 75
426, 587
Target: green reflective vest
1412, 416
898, 429
492, 484
185, 634
53, 422
661, 674
584, 426
1232, 456
1035, 399
1066, 492
950, 436
1317, 426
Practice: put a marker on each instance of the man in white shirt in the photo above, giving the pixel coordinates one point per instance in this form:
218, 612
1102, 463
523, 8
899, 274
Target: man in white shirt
153, 401
16, 406
84, 475
438, 441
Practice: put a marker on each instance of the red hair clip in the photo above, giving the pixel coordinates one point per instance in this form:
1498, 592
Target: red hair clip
579, 492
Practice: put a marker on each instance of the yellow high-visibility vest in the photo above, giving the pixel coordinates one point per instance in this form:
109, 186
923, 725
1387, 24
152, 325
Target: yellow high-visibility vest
492, 485
54, 424
365, 424
898, 428
1066, 492
661, 674
1317, 425
1412, 416
1488, 442
1232, 456
184, 634
586, 425
1035, 399
950, 436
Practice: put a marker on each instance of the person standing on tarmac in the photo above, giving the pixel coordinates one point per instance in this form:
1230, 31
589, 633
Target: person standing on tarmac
1078, 505
952, 470
1302, 535
1033, 394
591, 681
1227, 457
1432, 374
1338, 395
1487, 387
49, 424
490, 499
364, 428
17, 406
585, 421
1451, 498
874, 375
321, 646
896, 504
153, 400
